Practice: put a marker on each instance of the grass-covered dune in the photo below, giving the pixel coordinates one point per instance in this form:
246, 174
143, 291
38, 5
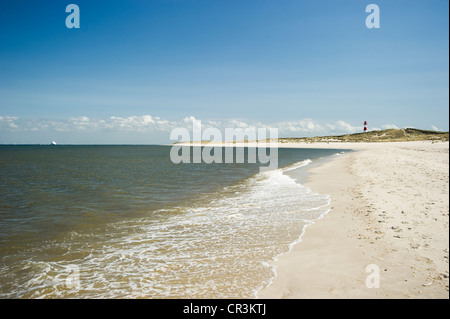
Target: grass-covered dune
390, 135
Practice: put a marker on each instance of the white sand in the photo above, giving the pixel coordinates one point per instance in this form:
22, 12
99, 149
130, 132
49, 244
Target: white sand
389, 207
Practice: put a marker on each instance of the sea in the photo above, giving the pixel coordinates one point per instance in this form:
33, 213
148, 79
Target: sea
124, 221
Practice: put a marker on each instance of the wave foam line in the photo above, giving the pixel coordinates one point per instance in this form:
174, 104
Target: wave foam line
307, 223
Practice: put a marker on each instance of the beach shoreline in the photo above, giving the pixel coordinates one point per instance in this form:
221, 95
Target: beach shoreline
389, 210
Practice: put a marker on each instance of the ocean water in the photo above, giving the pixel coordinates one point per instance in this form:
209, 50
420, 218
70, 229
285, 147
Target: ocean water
126, 222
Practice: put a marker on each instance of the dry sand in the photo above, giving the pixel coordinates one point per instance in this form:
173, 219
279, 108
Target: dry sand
389, 207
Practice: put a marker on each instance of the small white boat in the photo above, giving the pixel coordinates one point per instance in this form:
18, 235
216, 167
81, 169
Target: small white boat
53, 143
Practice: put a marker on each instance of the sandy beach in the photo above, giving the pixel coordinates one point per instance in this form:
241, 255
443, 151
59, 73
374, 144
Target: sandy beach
389, 208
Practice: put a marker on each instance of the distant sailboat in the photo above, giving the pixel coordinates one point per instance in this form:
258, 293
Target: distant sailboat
53, 143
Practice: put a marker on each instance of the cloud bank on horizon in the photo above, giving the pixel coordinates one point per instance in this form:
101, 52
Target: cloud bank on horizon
147, 126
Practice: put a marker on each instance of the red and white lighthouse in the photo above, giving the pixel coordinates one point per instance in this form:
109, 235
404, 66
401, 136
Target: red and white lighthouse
365, 126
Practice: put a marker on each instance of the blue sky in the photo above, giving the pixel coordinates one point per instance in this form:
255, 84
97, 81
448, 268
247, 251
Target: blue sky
134, 70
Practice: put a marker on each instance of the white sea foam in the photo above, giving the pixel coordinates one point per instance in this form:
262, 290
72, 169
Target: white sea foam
218, 246
296, 165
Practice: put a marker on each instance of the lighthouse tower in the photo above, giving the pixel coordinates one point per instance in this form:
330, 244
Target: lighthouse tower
365, 126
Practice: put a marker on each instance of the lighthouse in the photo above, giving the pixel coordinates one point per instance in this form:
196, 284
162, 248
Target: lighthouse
365, 126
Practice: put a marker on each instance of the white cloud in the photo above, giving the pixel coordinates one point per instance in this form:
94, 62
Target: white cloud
341, 127
302, 126
146, 123
189, 120
237, 124
136, 123
8, 122
348, 128
149, 123
81, 123
435, 128
389, 126
84, 123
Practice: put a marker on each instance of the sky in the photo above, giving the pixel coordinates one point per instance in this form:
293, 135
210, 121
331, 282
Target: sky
135, 70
